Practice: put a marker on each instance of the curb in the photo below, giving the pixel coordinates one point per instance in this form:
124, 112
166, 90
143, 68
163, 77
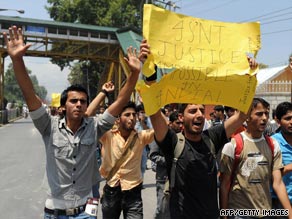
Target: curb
11, 120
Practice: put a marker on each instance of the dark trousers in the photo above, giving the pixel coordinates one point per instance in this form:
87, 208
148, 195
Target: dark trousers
114, 200
159, 213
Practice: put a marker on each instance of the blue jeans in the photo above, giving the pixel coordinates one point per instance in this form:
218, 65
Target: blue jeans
95, 190
114, 201
82, 215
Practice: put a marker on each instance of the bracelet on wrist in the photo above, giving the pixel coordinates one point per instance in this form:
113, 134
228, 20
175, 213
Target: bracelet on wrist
104, 91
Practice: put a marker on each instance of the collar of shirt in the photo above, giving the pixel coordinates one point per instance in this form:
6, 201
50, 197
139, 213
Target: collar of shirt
63, 124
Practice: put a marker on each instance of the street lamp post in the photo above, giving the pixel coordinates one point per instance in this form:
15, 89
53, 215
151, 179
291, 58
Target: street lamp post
6, 9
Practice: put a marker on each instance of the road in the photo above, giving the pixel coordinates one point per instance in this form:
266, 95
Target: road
23, 181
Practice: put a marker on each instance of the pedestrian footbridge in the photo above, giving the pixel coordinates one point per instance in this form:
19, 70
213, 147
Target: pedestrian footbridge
73, 41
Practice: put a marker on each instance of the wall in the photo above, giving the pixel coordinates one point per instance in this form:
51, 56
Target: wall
275, 98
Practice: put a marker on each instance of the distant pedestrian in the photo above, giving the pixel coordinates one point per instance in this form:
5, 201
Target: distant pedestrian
219, 116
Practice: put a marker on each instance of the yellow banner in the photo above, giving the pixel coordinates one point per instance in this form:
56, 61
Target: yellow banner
56, 99
209, 59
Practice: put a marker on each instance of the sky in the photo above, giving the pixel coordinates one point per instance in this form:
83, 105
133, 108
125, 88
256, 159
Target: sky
275, 18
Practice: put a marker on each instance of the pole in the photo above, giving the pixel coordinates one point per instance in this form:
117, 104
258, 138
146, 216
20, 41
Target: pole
1, 83
88, 89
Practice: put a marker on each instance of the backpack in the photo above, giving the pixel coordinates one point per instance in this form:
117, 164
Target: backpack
169, 184
238, 149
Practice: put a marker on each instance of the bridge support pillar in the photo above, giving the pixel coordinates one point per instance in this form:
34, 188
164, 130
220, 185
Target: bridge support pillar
1, 81
3, 111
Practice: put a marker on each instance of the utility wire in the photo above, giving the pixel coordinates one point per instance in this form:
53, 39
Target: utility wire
264, 15
275, 21
279, 31
268, 18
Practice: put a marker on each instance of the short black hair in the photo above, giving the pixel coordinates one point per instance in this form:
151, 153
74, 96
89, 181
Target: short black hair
173, 116
74, 87
227, 108
282, 109
258, 100
140, 107
183, 106
273, 113
130, 104
219, 108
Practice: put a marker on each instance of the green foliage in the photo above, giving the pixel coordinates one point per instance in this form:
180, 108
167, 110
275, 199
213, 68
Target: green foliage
122, 13
12, 90
262, 65
87, 74
115, 13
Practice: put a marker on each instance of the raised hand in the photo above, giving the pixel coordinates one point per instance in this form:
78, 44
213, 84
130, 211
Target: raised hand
108, 87
252, 62
132, 60
15, 45
144, 50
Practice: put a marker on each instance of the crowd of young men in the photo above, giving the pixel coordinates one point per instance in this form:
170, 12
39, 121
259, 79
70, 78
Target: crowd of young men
71, 141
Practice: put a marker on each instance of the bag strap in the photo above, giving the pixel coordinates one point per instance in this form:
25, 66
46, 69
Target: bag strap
207, 140
238, 148
179, 145
123, 158
177, 152
271, 144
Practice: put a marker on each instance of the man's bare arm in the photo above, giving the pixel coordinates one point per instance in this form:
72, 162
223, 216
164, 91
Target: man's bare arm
280, 190
108, 87
124, 96
159, 125
16, 50
224, 191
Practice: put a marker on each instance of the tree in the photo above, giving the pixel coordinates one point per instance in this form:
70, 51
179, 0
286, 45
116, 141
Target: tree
115, 13
12, 91
87, 74
262, 65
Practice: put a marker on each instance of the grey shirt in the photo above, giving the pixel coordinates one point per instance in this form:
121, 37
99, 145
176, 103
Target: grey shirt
71, 162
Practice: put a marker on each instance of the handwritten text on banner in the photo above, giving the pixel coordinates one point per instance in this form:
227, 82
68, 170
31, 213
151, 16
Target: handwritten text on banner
208, 58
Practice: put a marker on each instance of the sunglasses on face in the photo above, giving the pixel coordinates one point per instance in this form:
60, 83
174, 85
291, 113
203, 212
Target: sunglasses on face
74, 101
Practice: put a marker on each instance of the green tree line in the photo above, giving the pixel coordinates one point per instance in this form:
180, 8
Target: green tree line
12, 90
